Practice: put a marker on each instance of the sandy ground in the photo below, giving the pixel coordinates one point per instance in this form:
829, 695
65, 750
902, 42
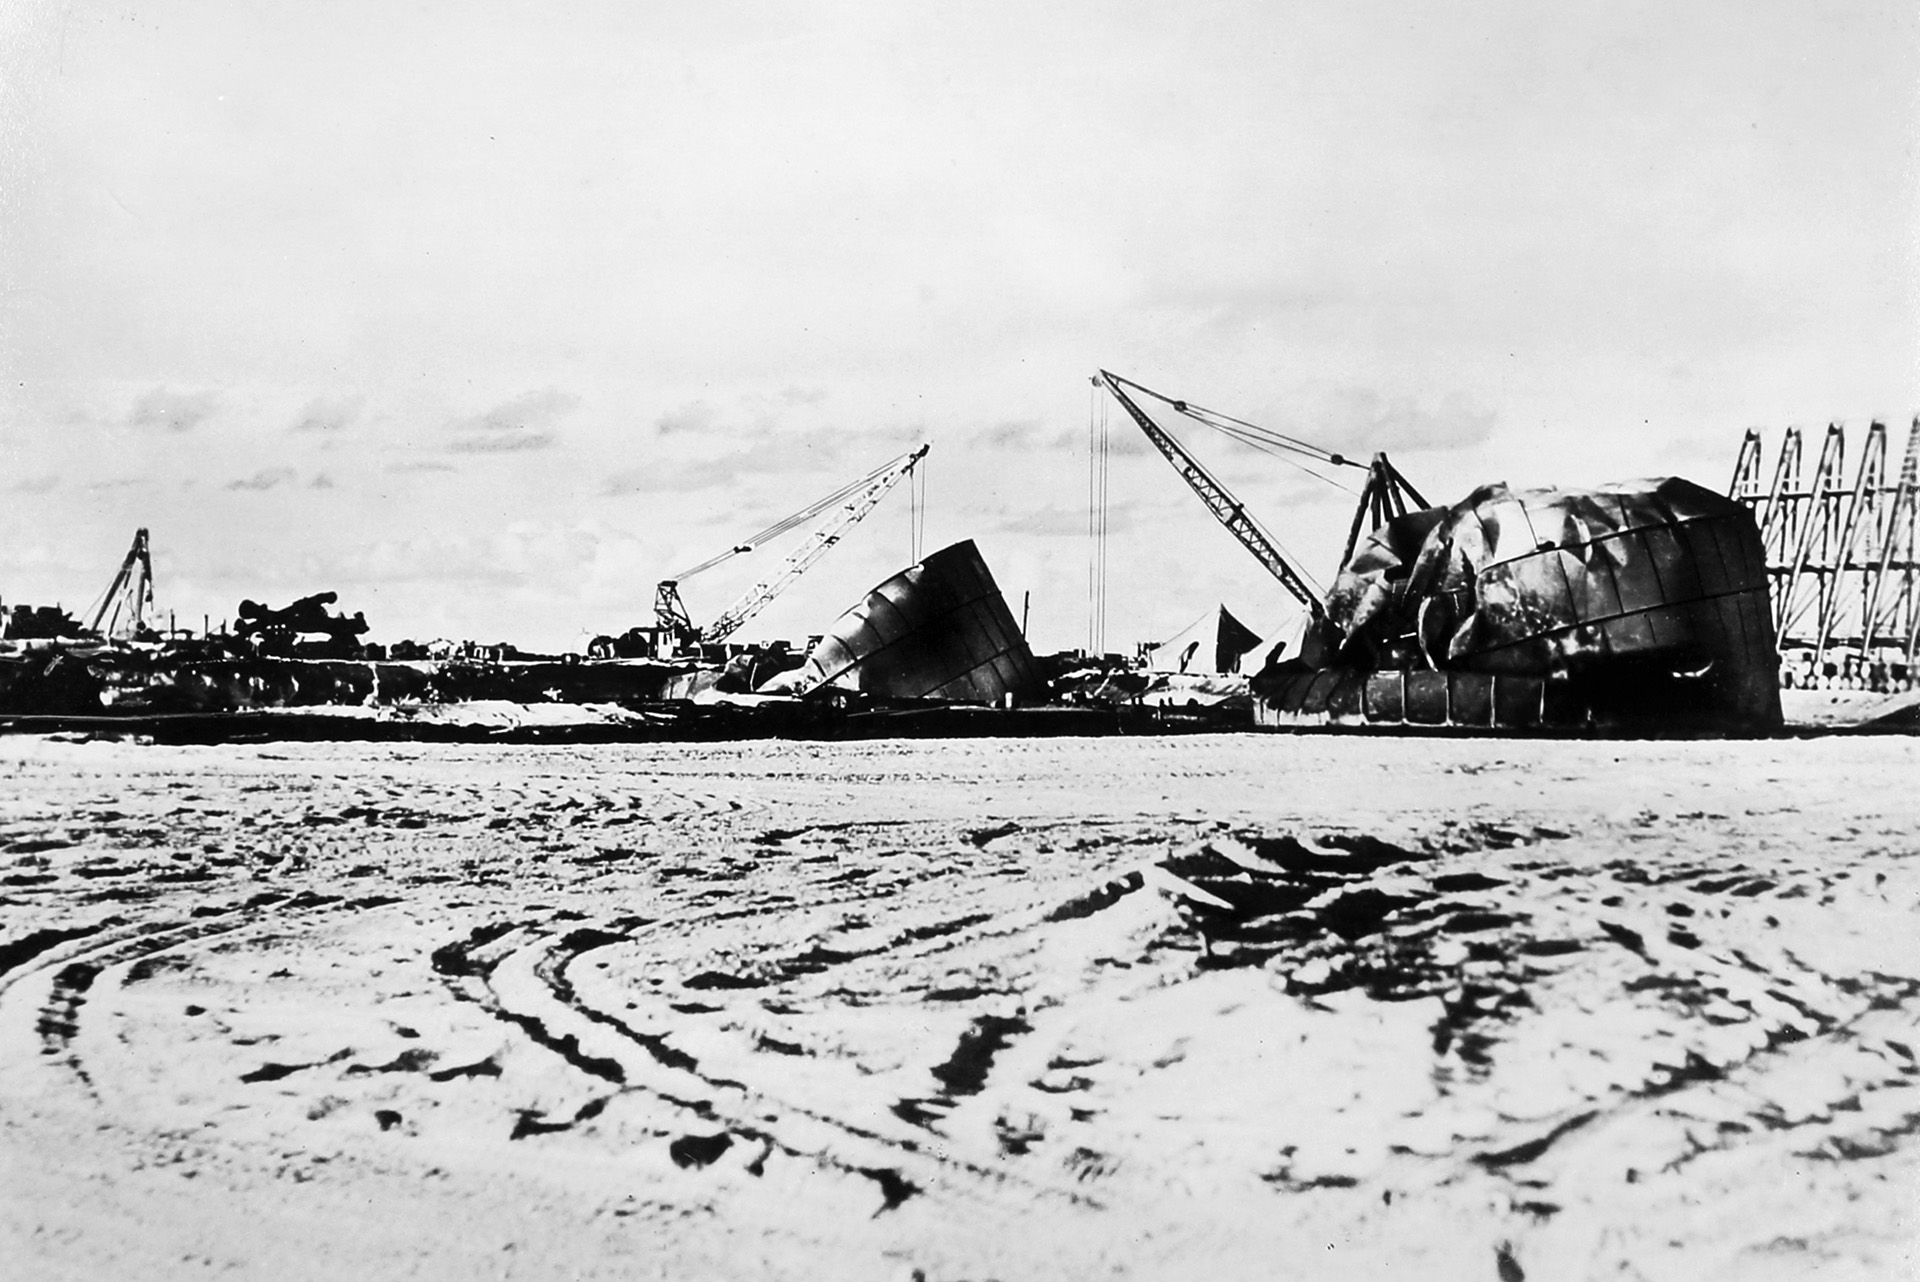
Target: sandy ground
1230, 1007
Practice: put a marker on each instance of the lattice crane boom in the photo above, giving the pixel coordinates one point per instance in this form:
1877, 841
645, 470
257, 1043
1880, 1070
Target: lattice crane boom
1220, 501
854, 501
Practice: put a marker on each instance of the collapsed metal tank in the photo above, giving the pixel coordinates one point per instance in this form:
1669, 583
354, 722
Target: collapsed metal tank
936, 630
1633, 607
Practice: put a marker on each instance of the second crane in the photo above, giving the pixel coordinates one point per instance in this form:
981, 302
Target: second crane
674, 630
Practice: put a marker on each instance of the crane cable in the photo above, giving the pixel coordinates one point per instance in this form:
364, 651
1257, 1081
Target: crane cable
1099, 447
1276, 444
916, 511
1106, 455
1093, 418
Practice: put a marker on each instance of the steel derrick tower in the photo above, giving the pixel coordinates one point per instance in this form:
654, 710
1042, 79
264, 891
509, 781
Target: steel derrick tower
1841, 556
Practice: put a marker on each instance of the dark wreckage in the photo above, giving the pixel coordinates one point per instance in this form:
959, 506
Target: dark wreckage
1638, 608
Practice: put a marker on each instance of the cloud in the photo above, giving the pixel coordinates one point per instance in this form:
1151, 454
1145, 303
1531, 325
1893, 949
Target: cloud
1055, 521
1368, 421
320, 481
1033, 436
172, 411
694, 416
328, 413
645, 480
683, 472
503, 441
759, 453
422, 465
1019, 434
764, 447
266, 479
33, 485
517, 554
521, 423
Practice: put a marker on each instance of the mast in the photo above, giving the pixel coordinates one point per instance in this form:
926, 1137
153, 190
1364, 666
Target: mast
1387, 495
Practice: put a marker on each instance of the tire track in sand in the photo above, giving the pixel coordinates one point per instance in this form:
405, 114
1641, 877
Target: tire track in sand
520, 973
49, 990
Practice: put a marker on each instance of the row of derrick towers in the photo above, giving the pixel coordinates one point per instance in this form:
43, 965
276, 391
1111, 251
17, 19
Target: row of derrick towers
1840, 558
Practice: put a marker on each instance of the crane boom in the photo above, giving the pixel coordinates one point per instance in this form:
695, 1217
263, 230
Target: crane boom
122, 608
1226, 509
855, 501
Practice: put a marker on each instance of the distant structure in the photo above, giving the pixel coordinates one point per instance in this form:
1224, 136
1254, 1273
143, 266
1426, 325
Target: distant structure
1840, 556
1214, 644
120, 614
286, 632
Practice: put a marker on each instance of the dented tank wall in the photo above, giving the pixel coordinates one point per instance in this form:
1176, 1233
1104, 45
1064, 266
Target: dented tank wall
937, 630
1637, 603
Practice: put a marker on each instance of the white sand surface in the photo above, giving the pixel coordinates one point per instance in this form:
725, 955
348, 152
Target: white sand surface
1210, 1007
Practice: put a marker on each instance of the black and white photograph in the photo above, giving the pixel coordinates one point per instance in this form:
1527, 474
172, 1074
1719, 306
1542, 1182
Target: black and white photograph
902, 642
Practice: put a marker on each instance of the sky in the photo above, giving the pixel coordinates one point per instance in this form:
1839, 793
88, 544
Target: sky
488, 316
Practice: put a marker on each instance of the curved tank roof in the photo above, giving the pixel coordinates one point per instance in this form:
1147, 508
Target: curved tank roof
1644, 602
936, 630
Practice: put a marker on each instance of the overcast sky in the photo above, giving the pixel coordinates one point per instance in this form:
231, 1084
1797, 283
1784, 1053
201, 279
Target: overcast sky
488, 316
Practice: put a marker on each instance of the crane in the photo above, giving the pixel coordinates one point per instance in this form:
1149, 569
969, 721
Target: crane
849, 505
1387, 494
1226, 509
122, 609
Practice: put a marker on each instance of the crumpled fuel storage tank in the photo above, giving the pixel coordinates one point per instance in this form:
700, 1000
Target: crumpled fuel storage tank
1635, 606
936, 630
